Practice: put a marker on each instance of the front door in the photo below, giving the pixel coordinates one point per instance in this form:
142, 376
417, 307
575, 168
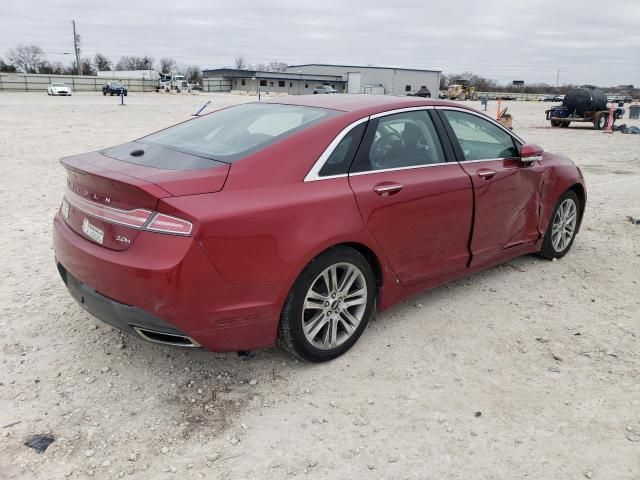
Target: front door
353, 82
417, 205
507, 191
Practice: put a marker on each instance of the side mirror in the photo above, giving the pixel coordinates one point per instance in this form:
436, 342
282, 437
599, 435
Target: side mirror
530, 152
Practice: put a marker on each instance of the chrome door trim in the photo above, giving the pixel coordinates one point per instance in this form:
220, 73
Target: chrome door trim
489, 160
411, 167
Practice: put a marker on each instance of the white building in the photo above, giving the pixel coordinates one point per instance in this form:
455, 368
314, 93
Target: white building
381, 80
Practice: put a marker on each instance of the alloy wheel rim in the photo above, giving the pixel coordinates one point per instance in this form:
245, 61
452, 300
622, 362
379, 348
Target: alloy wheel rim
564, 225
334, 306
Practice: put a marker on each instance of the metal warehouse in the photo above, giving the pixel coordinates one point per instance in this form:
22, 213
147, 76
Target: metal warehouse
380, 80
276, 82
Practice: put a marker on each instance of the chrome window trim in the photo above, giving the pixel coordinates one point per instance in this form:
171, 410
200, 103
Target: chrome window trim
483, 116
401, 110
313, 174
411, 167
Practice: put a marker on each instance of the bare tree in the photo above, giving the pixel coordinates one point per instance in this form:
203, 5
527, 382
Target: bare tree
101, 62
276, 66
193, 74
85, 67
262, 67
28, 58
167, 64
56, 68
6, 67
134, 63
240, 63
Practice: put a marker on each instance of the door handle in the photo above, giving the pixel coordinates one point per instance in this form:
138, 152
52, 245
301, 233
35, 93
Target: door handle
486, 174
387, 189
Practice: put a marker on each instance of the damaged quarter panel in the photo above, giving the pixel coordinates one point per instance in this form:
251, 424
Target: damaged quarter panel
561, 174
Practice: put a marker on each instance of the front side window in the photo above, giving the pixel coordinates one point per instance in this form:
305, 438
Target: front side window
401, 140
230, 134
479, 139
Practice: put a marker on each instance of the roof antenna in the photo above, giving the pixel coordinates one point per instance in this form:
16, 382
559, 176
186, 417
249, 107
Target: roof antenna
197, 114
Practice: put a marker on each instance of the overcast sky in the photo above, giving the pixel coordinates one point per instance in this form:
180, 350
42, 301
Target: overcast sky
589, 41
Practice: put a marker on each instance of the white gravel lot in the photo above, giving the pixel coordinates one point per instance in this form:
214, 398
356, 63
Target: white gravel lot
527, 370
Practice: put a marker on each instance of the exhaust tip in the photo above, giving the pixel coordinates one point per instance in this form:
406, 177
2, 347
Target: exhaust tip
174, 340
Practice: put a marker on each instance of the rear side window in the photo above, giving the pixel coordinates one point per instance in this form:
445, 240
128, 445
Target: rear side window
340, 159
479, 139
230, 134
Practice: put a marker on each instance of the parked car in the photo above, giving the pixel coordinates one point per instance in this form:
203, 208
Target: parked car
324, 89
422, 92
546, 98
116, 88
558, 98
293, 220
58, 89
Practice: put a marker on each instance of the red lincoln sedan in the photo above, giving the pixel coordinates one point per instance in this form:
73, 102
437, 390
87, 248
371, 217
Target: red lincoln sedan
294, 220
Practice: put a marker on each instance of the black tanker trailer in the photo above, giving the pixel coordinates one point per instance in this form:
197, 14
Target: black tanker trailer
584, 104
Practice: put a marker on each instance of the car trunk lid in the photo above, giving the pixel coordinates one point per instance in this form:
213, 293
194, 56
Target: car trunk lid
109, 201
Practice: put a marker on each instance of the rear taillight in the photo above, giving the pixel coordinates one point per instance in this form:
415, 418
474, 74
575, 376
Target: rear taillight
167, 224
138, 218
135, 218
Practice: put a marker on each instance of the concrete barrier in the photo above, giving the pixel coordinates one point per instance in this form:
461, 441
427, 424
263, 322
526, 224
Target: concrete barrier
27, 82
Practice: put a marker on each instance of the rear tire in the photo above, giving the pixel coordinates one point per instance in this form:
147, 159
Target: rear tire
565, 124
600, 122
563, 226
555, 123
329, 306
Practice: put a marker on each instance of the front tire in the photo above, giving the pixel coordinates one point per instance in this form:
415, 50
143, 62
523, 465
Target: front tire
563, 226
329, 306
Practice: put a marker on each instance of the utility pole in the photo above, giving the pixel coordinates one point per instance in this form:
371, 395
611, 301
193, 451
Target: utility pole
75, 47
557, 78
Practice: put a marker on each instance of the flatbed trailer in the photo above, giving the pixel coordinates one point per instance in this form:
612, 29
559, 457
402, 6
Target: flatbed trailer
599, 119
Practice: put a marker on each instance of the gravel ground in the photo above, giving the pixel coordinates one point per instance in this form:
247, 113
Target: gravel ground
527, 370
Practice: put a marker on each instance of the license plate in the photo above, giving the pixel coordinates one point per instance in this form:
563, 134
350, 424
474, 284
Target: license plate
64, 208
93, 232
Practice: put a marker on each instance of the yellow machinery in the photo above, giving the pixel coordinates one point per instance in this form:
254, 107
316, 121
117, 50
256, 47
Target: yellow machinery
461, 90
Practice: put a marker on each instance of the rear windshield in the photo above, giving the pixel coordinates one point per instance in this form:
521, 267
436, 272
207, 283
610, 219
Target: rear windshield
230, 134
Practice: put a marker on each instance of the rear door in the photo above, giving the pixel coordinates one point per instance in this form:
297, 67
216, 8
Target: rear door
416, 203
506, 190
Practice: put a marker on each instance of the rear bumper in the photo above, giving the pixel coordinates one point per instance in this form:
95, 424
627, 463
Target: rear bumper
127, 318
167, 284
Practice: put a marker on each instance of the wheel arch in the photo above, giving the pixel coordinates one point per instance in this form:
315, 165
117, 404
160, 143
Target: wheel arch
372, 259
580, 191
366, 251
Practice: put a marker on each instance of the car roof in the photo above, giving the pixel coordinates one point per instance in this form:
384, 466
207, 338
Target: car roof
361, 103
